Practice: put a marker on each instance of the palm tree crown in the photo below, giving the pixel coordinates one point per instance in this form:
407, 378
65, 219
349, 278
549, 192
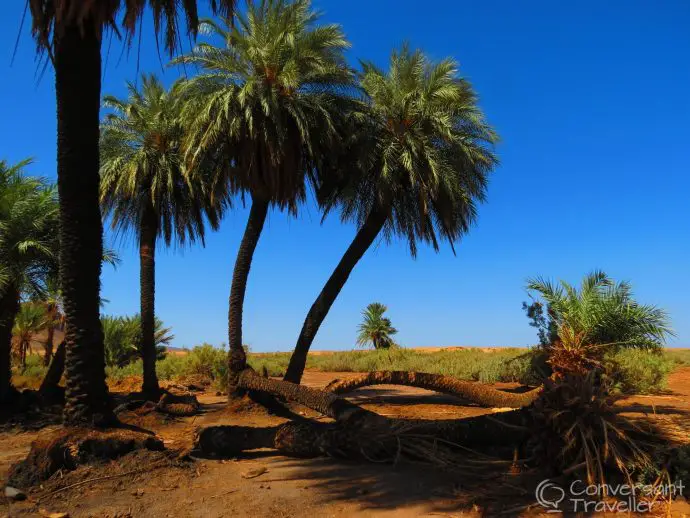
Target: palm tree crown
269, 98
602, 313
423, 151
51, 16
142, 168
376, 328
28, 229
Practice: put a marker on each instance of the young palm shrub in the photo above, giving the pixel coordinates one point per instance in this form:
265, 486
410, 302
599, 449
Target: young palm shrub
70, 32
421, 149
147, 193
266, 106
28, 250
30, 320
599, 317
376, 329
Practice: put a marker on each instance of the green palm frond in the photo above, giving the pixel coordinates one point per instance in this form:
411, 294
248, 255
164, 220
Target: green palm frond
29, 229
268, 102
603, 312
51, 16
143, 173
421, 149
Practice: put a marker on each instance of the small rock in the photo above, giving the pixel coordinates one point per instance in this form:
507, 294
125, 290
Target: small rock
14, 494
138, 492
219, 393
253, 473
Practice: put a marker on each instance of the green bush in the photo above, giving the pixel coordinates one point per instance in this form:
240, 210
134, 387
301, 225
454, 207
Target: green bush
34, 367
637, 371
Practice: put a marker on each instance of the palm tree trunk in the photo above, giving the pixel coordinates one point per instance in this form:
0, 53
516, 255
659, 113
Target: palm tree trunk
255, 223
361, 243
471, 391
147, 280
321, 401
78, 90
9, 306
49, 386
49, 342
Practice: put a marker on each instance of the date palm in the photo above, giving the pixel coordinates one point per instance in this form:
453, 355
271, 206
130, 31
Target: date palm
30, 320
28, 249
146, 192
423, 153
71, 32
376, 328
268, 103
600, 316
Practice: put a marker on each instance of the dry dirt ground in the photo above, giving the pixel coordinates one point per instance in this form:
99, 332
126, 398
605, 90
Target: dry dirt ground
293, 487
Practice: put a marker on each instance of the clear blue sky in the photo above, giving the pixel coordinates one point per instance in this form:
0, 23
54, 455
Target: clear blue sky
592, 101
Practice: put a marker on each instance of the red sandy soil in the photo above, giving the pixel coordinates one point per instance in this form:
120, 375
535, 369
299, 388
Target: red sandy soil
295, 487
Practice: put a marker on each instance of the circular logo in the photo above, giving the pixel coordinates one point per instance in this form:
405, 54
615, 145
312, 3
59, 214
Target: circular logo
549, 495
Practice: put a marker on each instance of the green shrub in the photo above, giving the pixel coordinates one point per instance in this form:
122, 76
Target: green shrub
34, 367
637, 371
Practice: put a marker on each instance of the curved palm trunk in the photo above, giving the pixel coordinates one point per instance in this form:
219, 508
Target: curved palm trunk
147, 284
49, 342
78, 89
50, 382
472, 391
321, 401
361, 243
236, 357
9, 306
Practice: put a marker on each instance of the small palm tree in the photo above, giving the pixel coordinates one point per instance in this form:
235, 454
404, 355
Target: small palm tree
71, 33
146, 191
266, 105
599, 316
28, 249
30, 320
376, 329
421, 153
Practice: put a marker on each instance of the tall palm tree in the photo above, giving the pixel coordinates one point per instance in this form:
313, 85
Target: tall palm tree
268, 103
376, 328
70, 32
423, 156
28, 249
30, 320
146, 192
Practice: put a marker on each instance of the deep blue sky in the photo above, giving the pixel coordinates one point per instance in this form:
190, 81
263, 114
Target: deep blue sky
592, 101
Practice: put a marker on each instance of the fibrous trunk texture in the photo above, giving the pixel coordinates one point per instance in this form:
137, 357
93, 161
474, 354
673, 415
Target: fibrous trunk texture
147, 286
9, 305
318, 311
50, 390
77, 52
255, 223
324, 402
471, 391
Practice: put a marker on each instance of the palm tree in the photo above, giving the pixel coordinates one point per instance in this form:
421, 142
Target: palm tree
600, 316
376, 328
146, 191
422, 151
51, 299
28, 249
30, 320
268, 103
70, 33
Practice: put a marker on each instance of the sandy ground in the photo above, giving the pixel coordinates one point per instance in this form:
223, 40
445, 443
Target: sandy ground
294, 487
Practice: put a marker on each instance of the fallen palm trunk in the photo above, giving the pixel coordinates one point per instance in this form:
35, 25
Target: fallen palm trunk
474, 392
388, 441
321, 401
